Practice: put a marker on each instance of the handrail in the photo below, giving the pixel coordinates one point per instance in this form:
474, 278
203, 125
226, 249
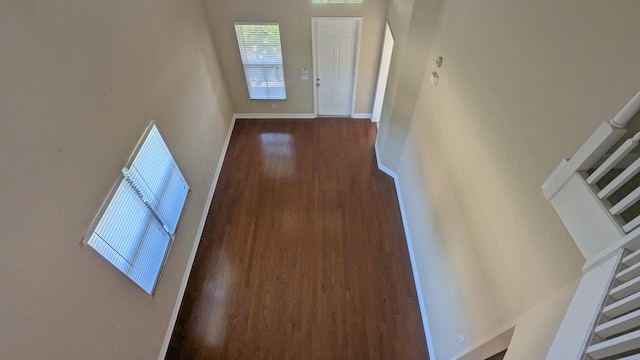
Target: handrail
627, 112
630, 241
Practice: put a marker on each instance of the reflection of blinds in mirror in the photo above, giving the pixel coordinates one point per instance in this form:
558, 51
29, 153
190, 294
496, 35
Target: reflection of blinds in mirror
135, 227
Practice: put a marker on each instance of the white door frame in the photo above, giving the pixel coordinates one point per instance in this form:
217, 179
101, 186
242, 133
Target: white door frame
314, 20
388, 42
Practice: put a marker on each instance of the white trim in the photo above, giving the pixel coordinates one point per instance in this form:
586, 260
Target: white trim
274, 116
194, 249
357, 67
255, 93
361, 116
314, 67
412, 256
381, 167
358, 20
384, 67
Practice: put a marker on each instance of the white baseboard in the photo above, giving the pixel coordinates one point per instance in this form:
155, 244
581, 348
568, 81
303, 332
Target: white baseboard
361, 115
412, 256
194, 249
275, 116
381, 167
293, 116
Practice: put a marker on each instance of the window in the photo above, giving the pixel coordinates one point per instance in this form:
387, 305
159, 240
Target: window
136, 225
261, 54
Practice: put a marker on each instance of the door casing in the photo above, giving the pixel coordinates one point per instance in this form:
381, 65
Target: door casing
314, 43
383, 72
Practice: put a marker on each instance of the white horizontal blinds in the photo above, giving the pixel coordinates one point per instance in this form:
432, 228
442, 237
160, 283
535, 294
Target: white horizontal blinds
137, 225
158, 178
145, 195
148, 260
173, 199
261, 53
122, 224
131, 239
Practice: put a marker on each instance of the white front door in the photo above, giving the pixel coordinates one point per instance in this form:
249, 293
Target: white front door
335, 45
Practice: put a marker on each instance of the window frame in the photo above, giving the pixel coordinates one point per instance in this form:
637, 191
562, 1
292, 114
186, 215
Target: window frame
247, 66
122, 180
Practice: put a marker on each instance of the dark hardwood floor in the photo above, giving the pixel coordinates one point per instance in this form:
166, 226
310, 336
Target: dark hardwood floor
303, 254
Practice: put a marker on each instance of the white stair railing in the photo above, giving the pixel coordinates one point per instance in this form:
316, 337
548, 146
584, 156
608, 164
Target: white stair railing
612, 165
617, 329
593, 149
596, 193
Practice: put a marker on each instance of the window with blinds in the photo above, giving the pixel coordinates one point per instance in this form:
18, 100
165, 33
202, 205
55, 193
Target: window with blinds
136, 225
261, 53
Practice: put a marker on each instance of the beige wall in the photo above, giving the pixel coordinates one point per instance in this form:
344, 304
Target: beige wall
523, 84
295, 29
79, 81
413, 23
536, 328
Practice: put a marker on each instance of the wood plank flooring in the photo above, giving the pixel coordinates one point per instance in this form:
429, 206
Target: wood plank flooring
303, 254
